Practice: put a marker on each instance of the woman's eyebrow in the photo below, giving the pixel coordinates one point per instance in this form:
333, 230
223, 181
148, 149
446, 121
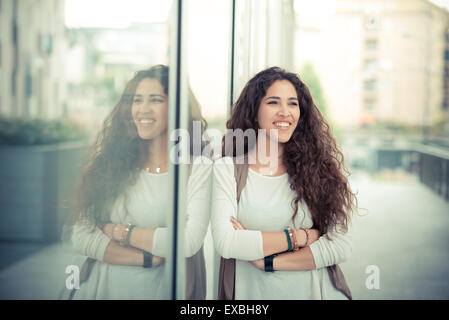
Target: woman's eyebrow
277, 98
150, 95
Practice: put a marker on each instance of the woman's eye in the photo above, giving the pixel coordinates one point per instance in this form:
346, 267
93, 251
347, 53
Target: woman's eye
294, 104
157, 100
137, 101
272, 102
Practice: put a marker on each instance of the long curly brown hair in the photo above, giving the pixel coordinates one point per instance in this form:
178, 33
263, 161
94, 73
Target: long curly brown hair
314, 163
117, 153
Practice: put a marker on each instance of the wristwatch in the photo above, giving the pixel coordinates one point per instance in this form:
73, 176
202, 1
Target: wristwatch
269, 263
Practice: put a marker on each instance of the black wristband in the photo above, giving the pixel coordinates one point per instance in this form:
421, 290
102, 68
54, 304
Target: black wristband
147, 259
269, 263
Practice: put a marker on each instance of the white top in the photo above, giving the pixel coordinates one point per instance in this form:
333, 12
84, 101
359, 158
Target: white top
147, 207
266, 205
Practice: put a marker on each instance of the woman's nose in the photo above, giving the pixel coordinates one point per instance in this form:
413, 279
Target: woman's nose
147, 105
283, 109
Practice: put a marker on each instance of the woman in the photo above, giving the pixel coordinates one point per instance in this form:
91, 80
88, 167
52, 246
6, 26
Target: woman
122, 199
291, 219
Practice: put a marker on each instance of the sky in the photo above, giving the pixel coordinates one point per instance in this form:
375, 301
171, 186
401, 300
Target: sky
441, 3
120, 13
114, 13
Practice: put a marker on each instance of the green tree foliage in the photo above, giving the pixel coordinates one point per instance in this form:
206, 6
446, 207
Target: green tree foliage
39, 131
309, 76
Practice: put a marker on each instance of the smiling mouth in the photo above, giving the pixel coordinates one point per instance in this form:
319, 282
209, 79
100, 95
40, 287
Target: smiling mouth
146, 121
282, 124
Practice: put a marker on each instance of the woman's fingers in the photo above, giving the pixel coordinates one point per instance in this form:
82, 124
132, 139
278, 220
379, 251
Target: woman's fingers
259, 264
107, 229
236, 224
314, 235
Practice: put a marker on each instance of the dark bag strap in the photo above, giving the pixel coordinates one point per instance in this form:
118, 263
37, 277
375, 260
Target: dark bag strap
196, 276
226, 284
338, 280
226, 275
84, 274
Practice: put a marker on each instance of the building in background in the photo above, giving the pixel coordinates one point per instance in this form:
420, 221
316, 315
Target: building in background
102, 60
32, 51
380, 61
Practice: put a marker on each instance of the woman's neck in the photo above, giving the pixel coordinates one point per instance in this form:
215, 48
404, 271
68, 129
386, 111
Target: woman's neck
267, 157
156, 153
268, 152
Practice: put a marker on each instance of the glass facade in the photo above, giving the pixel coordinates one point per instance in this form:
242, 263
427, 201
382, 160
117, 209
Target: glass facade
83, 83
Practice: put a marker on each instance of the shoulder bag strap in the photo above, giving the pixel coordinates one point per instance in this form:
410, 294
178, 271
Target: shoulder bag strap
226, 281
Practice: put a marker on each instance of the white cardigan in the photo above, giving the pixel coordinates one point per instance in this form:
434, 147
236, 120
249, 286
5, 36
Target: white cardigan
265, 205
147, 207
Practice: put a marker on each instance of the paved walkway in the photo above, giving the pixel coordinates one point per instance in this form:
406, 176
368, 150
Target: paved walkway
404, 233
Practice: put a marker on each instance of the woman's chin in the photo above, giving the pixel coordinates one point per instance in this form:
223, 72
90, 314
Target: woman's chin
146, 136
282, 138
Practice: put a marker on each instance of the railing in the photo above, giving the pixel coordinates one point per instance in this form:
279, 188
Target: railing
434, 169
428, 162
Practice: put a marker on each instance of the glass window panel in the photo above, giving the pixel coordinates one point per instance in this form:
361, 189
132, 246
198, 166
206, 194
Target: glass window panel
83, 74
205, 93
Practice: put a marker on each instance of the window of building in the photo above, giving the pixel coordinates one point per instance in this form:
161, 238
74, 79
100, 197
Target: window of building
370, 85
371, 44
28, 85
370, 65
372, 23
14, 32
369, 105
13, 83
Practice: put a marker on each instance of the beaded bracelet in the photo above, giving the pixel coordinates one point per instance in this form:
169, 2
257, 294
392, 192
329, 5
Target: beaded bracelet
293, 239
128, 235
307, 238
125, 236
288, 240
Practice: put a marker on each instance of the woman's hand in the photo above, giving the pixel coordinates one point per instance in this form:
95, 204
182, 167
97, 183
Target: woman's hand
259, 264
108, 229
157, 261
115, 230
236, 224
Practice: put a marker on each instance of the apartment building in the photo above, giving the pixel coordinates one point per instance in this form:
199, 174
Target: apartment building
380, 60
32, 51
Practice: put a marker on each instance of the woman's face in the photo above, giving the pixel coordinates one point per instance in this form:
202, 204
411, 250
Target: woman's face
150, 109
279, 110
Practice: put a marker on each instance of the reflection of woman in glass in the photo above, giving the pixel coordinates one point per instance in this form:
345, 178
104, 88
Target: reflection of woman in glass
278, 231
122, 198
